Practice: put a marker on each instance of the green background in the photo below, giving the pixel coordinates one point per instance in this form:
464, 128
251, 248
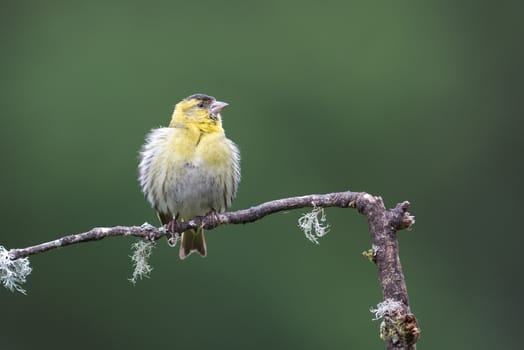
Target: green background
410, 100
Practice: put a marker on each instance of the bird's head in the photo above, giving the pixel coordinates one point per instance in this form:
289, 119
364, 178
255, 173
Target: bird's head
200, 110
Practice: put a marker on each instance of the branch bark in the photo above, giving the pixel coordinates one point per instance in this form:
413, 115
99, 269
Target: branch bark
399, 326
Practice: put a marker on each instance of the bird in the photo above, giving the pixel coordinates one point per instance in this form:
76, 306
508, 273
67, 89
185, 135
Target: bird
190, 168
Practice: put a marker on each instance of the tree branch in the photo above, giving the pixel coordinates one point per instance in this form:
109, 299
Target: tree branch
399, 326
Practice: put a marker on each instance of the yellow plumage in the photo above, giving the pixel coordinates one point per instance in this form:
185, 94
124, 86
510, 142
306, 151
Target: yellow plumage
190, 168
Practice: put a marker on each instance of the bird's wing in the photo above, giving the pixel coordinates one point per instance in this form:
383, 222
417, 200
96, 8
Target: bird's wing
152, 167
234, 179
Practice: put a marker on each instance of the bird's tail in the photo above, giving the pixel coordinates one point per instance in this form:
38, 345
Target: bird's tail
192, 241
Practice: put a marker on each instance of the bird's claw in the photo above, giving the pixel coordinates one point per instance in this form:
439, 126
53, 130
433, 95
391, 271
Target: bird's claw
214, 218
172, 239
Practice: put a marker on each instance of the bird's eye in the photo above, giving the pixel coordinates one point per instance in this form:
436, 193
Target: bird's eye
200, 105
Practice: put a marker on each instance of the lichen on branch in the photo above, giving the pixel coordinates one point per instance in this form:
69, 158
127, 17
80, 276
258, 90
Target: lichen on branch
141, 253
13, 273
314, 224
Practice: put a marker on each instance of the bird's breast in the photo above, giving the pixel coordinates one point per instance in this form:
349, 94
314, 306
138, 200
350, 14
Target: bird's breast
199, 173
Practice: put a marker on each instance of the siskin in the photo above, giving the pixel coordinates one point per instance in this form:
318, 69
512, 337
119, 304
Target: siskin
190, 168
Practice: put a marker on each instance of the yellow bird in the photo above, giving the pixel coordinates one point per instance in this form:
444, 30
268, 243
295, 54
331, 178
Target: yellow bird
190, 168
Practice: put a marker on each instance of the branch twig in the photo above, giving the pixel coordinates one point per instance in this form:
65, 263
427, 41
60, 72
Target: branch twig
399, 326
210, 221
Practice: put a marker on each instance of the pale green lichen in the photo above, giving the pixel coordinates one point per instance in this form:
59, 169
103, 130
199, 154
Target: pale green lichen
371, 254
314, 224
13, 273
388, 307
148, 226
141, 252
394, 326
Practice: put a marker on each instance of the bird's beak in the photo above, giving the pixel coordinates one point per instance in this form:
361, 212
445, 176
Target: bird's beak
217, 106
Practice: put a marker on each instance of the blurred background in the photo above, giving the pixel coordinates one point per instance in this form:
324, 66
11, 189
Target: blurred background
417, 101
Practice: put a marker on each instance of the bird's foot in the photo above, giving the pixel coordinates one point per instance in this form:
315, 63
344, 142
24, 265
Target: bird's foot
172, 236
171, 226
